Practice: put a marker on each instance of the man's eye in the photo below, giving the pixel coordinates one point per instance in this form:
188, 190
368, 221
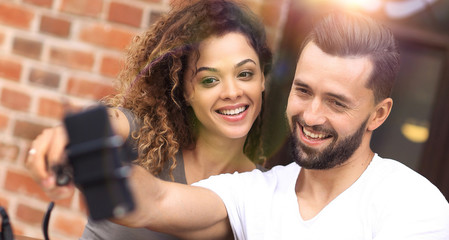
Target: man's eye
338, 104
302, 90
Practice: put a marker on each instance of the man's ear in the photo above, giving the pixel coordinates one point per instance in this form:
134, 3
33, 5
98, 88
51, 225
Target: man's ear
380, 114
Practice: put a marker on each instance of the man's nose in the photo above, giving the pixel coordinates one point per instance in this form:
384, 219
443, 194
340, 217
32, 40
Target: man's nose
314, 113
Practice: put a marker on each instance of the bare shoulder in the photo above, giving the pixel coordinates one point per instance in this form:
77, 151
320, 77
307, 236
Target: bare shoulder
119, 122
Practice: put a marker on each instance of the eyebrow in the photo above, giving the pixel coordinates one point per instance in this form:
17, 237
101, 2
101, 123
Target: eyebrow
298, 82
244, 62
341, 97
211, 69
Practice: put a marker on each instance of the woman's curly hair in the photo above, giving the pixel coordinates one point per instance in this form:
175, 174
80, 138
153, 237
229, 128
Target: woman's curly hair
151, 83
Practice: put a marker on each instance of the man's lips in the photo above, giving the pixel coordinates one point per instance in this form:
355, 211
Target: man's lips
312, 137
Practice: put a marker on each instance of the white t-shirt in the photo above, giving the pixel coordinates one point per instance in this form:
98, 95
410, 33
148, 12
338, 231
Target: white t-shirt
389, 201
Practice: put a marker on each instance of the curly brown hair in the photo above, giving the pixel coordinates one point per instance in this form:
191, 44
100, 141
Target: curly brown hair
151, 84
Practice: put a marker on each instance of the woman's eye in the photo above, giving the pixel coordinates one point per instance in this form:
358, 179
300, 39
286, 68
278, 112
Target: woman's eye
209, 81
245, 74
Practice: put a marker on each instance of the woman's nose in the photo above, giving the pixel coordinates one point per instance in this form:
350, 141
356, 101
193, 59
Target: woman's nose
231, 90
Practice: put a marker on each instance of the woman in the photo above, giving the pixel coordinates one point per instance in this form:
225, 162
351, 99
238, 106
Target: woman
197, 96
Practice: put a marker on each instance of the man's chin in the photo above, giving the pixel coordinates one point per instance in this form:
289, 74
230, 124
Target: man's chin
308, 151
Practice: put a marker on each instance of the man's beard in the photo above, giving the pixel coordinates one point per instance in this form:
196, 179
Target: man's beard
333, 155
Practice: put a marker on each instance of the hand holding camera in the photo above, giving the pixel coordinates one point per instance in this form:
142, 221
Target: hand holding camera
98, 163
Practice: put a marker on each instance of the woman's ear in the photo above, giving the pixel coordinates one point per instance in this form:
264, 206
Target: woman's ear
187, 99
187, 93
380, 114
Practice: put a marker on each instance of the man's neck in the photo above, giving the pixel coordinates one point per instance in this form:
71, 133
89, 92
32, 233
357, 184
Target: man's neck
317, 188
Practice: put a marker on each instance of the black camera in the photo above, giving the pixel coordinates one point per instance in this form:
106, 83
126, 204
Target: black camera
98, 162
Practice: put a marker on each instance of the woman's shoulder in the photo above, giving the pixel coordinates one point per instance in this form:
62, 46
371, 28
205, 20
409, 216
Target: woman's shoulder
178, 173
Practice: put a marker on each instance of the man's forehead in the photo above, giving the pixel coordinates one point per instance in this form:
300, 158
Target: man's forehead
313, 59
333, 75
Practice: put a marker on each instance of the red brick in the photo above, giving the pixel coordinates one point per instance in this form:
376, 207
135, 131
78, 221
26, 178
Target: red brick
9, 151
15, 100
55, 26
40, 3
50, 108
10, 70
27, 48
69, 224
21, 182
3, 121
111, 66
92, 8
15, 15
124, 13
44, 78
106, 36
88, 89
72, 58
27, 130
29, 214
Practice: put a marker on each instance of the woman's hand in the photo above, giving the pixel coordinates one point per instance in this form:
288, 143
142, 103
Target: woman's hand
47, 151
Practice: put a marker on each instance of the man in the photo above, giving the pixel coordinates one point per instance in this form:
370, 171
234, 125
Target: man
337, 188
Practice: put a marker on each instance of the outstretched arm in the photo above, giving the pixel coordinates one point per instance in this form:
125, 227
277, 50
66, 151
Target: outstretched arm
182, 210
185, 211
48, 148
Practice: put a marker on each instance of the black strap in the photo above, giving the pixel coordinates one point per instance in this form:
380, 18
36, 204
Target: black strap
6, 230
47, 220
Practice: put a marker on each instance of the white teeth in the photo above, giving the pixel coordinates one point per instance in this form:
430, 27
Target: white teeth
312, 135
233, 111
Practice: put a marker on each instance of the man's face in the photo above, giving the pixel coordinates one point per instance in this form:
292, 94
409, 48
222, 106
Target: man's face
329, 108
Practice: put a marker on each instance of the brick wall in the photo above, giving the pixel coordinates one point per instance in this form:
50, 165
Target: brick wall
54, 52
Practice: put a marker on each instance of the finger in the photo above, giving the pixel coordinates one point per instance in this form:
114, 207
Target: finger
36, 160
56, 153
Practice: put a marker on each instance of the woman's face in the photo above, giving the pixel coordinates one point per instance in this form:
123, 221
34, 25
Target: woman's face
226, 92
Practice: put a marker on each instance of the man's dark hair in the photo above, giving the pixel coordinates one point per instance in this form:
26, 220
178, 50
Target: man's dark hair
346, 34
